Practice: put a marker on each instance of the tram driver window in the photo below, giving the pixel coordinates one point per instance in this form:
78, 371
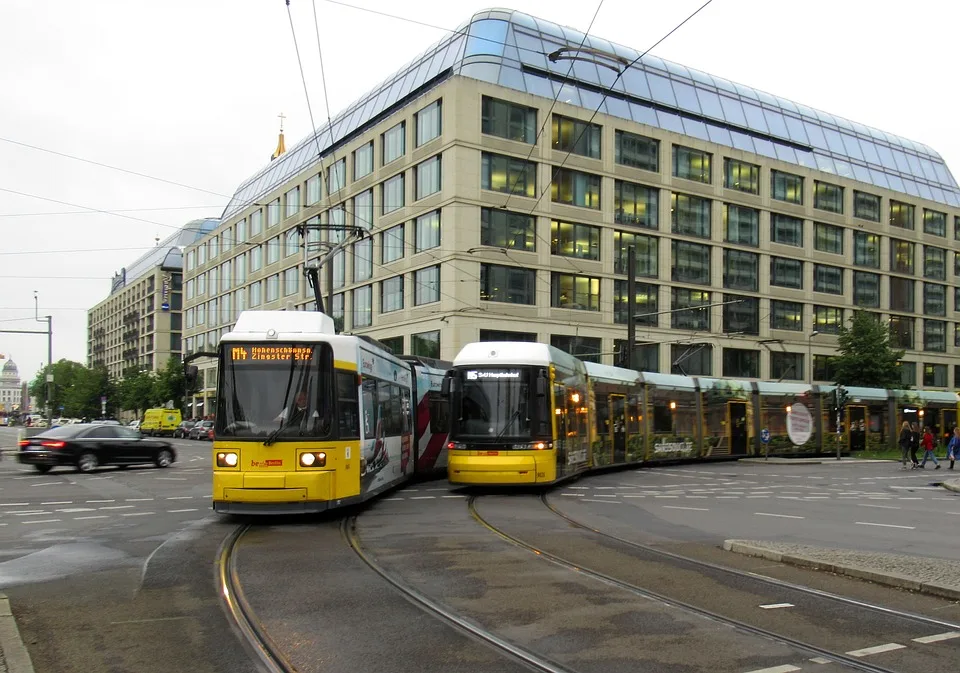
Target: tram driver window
662, 418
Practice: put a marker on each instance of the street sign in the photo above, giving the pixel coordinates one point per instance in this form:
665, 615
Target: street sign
103, 400
765, 436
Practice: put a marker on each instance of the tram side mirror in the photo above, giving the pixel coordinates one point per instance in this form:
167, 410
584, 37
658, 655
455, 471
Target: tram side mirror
445, 384
542, 383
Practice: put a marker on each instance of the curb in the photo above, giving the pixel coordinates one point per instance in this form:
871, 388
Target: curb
783, 461
952, 485
12, 649
888, 579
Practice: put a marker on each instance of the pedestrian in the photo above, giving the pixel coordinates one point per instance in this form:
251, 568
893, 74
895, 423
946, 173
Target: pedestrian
904, 442
953, 448
928, 452
914, 443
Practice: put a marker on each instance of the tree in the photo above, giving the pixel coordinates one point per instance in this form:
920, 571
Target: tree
136, 391
168, 384
76, 389
866, 358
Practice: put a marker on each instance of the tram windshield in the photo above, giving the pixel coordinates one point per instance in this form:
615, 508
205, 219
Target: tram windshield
275, 392
495, 403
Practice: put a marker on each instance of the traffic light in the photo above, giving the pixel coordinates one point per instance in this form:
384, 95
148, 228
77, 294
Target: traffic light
840, 397
190, 375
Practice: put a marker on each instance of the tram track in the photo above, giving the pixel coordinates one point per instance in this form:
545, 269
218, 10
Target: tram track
238, 609
741, 626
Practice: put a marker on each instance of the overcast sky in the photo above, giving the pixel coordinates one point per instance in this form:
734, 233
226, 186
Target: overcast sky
190, 90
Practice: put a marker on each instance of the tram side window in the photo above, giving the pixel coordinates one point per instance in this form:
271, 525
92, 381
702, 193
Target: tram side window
370, 405
662, 418
390, 408
439, 413
559, 397
603, 415
633, 416
347, 402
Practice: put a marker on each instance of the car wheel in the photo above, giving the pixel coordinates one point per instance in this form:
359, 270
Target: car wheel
88, 462
43, 469
164, 458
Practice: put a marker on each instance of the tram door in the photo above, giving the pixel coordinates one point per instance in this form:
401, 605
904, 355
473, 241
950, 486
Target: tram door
857, 424
618, 427
737, 422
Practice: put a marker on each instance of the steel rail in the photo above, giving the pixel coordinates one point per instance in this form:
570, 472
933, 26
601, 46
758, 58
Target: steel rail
842, 659
242, 617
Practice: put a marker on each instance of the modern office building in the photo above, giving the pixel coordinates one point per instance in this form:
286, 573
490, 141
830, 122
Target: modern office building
498, 191
138, 327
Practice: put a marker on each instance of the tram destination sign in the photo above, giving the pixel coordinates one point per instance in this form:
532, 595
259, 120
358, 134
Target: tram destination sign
473, 375
241, 354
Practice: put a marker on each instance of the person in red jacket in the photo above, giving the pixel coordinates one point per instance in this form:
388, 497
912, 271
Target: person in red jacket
927, 443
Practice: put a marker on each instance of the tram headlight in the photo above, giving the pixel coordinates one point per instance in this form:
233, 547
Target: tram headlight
227, 459
314, 459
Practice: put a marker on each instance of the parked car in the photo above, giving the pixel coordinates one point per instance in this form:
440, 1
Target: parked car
87, 446
134, 424
201, 430
183, 429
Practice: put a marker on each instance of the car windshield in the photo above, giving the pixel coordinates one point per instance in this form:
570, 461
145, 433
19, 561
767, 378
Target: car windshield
275, 391
494, 403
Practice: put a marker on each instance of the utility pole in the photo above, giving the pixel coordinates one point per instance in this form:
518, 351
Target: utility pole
631, 304
49, 321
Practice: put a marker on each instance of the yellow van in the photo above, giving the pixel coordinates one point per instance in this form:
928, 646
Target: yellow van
160, 422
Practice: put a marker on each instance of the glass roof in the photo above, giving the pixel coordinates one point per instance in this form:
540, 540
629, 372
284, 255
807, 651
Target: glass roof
168, 253
512, 49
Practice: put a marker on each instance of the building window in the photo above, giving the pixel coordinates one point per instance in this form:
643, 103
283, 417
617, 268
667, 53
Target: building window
292, 202
691, 359
935, 336
935, 375
956, 227
786, 272
827, 197
254, 296
363, 260
336, 177
866, 289
273, 213
392, 244
646, 357
691, 262
786, 187
256, 261
828, 238
337, 311
786, 230
901, 256
866, 206
635, 204
908, 373
575, 240
690, 215
509, 284
427, 231
902, 215
576, 188
273, 250
339, 269
291, 245
576, 292
824, 367
741, 225
645, 303
646, 252
394, 143
426, 285
901, 294
786, 315
506, 229
291, 282
363, 306
504, 335
428, 177
740, 270
866, 249
901, 332
509, 120
740, 363
690, 309
691, 164
934, 263
426, 344
509, 175
363, 161
786, 366
827, 319
741, 176
741, 317
637, 151
392, 194
363, 210
391, 294
827, 279
934, 299
428, 123
934, 222
583, 348
393, 344
576, 137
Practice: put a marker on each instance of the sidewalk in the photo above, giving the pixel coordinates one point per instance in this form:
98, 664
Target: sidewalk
916, 573
952, 485
14, 657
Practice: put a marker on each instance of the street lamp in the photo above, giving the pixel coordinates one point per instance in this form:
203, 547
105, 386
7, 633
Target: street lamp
810, 354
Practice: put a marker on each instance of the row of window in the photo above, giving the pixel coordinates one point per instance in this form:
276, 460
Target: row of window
518, 122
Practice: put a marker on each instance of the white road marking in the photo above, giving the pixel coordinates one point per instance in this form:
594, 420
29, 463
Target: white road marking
786, 668
573, 495
774, 606
136, 513
177, 511
937, 638
14, 504
137, 499
171, 478
71, 510
694, 509
453, 496
390, 499
101, 500
41, 521
37, 513
423, 497
782, 516
606, 495
82, 518
607, 502
117, 507
820, 660
636, 496
666, 496
48, 483
179, 497
60, 502
862, 504
884, 525
876, 649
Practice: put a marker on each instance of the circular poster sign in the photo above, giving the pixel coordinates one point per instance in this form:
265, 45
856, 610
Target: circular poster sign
799, 424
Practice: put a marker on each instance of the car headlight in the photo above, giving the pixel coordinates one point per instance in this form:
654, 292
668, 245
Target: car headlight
227, 459
314, 459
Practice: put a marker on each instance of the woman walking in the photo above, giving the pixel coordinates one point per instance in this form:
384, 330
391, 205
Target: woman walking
904, 442
914, 443
928, 452
953, 448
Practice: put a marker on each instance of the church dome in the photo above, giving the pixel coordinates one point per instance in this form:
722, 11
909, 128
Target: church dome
10, 370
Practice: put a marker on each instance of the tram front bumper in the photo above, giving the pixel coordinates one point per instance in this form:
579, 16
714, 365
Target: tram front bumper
506, 468
305, 491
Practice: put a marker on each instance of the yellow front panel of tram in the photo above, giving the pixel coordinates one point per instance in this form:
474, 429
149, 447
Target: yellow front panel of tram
501, 467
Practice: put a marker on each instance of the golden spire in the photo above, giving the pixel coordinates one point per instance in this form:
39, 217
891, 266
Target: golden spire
281, 147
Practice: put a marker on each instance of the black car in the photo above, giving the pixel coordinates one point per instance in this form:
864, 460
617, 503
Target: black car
88, 446
183, 429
